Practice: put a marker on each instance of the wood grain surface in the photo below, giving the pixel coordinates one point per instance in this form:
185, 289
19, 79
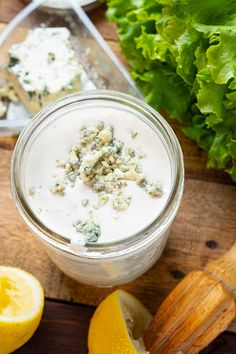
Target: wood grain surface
64, 328
204, 229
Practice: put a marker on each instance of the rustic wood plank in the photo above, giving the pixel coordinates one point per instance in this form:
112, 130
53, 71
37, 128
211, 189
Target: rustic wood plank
107, 30
64, 329
9, 9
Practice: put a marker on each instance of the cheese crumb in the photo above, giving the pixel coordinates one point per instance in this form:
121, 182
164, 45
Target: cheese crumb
59, 187
121, 203
89, 229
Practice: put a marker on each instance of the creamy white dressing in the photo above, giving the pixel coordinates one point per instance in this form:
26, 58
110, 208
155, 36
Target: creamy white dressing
58, 212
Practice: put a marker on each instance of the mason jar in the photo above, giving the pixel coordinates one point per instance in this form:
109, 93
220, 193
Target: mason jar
110, 263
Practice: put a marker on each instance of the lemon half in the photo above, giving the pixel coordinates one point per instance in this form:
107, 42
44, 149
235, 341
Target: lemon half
118, 325
21, 307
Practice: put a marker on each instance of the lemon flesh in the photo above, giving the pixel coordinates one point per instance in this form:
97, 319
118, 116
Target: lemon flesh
118, 325
21, 307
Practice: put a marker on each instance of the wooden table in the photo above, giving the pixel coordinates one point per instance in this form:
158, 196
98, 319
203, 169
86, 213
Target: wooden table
204, 229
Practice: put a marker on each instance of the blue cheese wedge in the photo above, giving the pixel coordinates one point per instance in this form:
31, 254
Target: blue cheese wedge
44, 67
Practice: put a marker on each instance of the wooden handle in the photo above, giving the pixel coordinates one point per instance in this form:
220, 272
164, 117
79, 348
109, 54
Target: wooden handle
197, 311
194, 314
223, 270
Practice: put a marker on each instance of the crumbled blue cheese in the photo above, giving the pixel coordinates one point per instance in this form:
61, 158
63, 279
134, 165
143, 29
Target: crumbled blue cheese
89, 229
59, 187
44, 67
103, 198
105, 165
154, 190
121, 203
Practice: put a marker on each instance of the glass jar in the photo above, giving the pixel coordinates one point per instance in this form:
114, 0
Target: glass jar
106, 264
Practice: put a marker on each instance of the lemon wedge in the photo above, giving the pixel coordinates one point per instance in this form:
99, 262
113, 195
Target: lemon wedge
118, 325
21, 307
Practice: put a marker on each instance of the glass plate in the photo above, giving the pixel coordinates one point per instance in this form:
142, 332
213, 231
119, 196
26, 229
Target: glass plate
99, 63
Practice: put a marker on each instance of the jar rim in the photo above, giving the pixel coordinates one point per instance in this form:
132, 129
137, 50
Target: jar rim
118, 247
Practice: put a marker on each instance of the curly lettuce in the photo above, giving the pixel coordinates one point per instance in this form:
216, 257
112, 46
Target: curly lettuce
182, 54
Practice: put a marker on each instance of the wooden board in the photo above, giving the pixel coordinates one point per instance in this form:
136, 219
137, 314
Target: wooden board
64, 329
204, 229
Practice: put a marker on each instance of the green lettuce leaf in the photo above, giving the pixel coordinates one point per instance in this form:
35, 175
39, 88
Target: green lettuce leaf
182, 54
